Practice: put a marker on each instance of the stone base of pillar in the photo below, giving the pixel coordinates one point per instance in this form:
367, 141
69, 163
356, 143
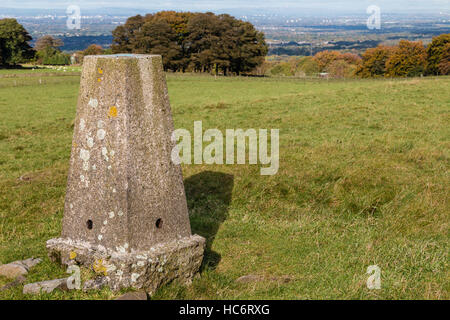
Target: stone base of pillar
178, 260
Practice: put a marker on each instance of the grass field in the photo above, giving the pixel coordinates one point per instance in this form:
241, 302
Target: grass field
30, 70
363, 180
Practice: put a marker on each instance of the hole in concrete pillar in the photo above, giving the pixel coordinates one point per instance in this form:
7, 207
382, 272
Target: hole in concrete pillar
89, 224
159, 223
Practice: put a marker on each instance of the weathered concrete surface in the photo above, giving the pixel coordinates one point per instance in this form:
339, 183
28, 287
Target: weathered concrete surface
124, 193
45, 286
149, 269
95, 284
121, 178
18, 268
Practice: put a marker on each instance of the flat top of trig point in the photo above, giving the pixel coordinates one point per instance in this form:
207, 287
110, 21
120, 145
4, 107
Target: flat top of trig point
124, 56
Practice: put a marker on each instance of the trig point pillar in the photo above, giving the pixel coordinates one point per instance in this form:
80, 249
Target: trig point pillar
125, 212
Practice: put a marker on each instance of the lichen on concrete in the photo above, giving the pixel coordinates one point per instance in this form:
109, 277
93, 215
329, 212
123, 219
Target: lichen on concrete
175, 260
124, 194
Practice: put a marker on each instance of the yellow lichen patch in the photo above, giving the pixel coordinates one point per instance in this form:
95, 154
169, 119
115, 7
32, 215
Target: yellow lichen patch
72, 255
99, 267
112, 112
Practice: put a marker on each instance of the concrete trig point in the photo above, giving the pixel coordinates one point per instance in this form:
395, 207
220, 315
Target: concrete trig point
125, 212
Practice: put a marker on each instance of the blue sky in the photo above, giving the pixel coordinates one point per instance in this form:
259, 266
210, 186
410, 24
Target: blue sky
397, 6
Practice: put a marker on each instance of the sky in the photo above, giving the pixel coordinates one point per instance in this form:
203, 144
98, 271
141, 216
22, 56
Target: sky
394, 6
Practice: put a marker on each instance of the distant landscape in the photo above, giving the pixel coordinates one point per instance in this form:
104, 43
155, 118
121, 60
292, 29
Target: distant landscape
292, 34
364, 152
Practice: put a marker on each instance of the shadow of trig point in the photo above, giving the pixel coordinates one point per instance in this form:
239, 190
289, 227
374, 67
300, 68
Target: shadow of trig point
125, 214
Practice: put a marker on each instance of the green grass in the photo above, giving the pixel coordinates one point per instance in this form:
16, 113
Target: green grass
29, 69
363, 180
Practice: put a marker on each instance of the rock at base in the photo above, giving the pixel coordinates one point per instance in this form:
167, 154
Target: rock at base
95, 284
18, 268
178, 260
30, 263
46, 286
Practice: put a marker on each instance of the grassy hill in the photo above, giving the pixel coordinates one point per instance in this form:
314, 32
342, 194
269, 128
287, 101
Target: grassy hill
363, 181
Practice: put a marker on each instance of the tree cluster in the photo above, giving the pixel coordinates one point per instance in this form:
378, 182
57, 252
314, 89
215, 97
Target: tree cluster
200, 42
444, 64
205, 42
92, 50
337, 64
408, 59
438, 56
333, 64
49, 52
14, 47
292, 67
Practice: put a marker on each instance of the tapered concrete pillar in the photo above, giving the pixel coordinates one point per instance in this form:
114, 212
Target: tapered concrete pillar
125, 213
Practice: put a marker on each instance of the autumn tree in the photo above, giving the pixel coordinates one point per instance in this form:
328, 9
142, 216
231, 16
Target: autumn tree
126, 36
201, 41
47, 41
307, 66
351, 58
407, 60
93, 50
2, 49
224, 43
444, 64
49, 52
337, 64
158, 37
204, 36
14, 47
178, 22
155, 34
435, 51
341, 69
281, 69
325, 58
374, 62
247, 47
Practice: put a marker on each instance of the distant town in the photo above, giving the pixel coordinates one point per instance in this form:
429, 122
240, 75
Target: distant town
291, 34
